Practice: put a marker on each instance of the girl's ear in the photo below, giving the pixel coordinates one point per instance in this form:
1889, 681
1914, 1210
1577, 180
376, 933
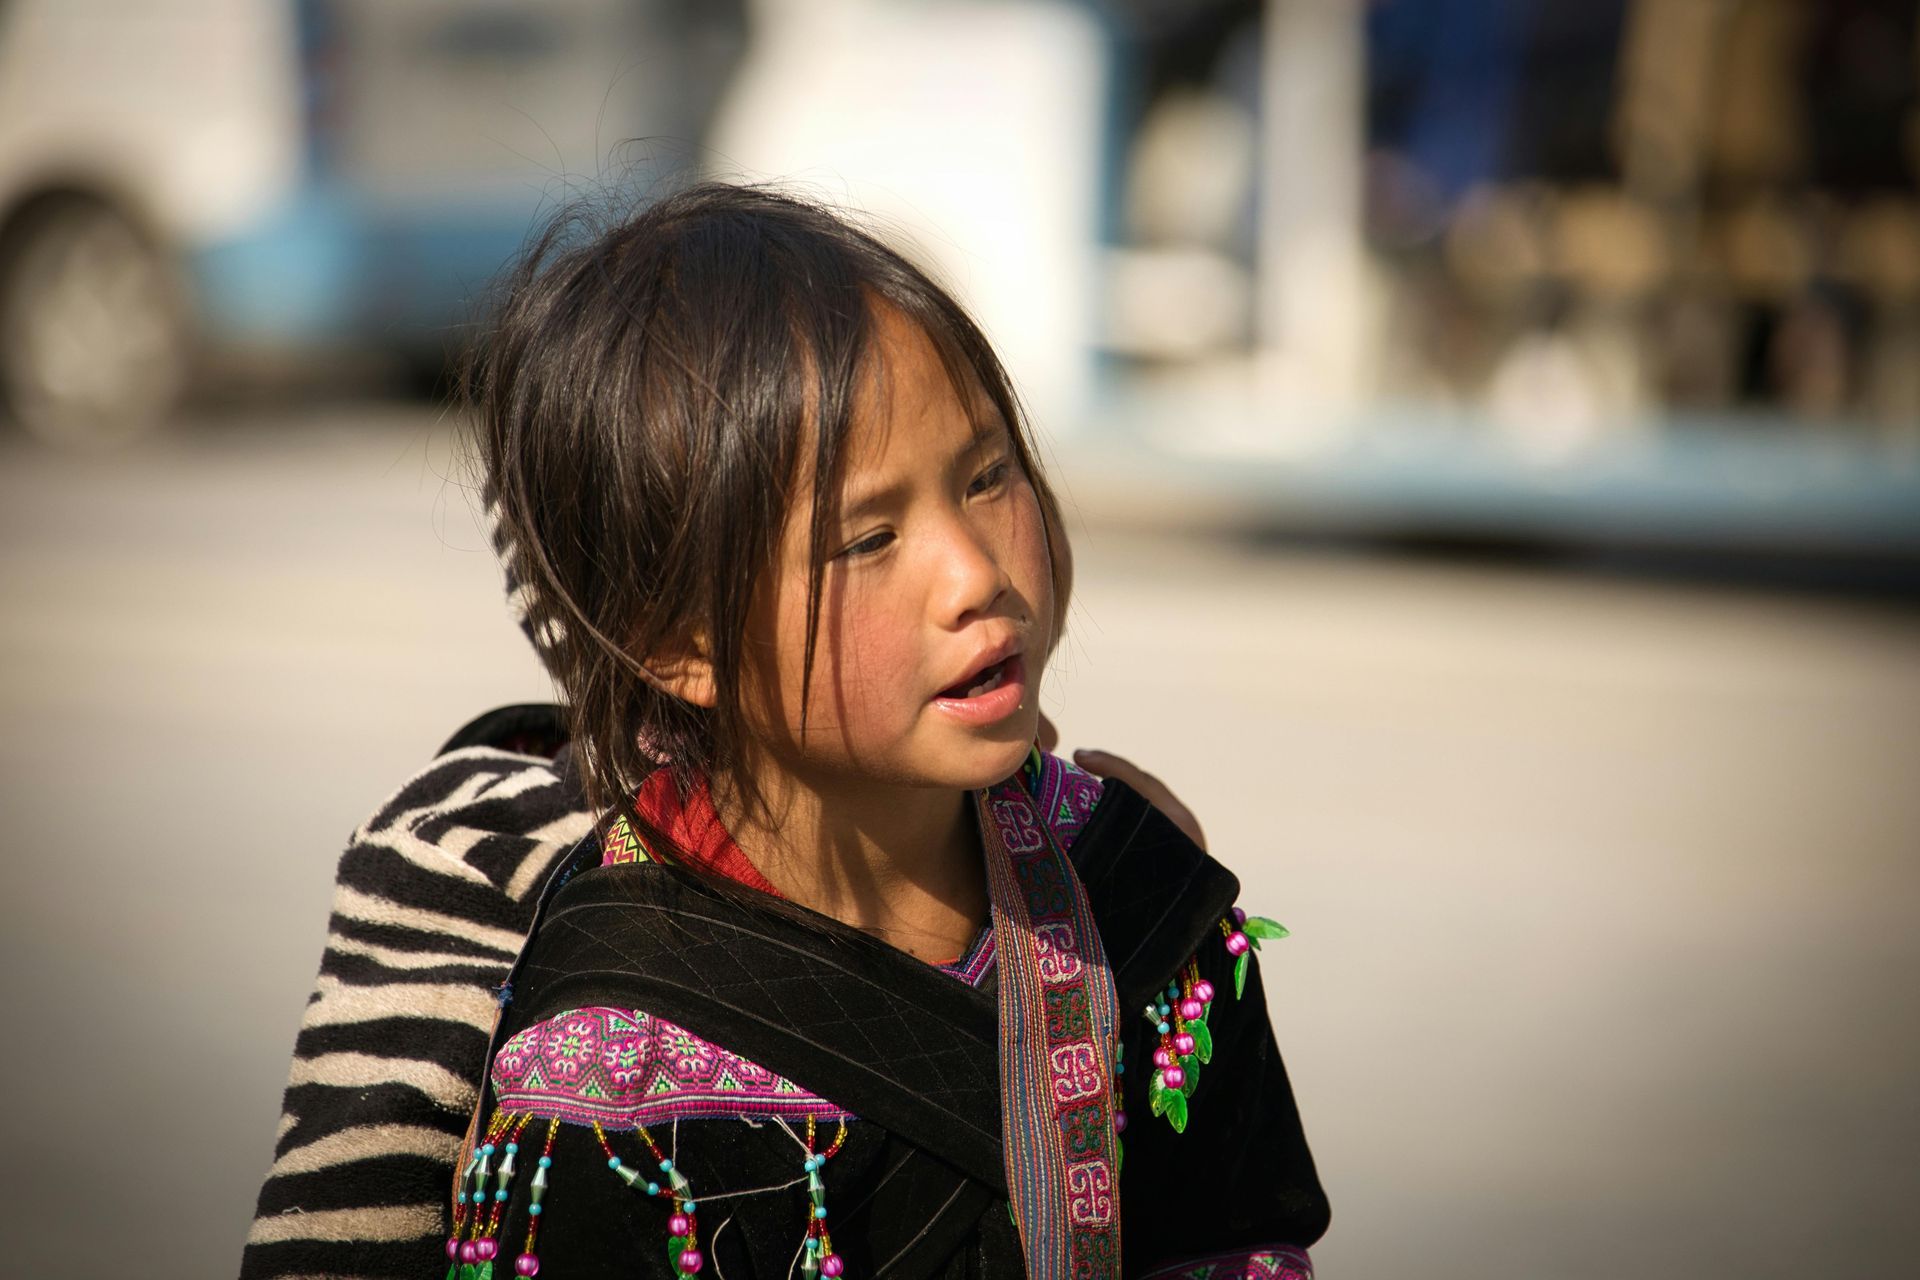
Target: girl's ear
686, 674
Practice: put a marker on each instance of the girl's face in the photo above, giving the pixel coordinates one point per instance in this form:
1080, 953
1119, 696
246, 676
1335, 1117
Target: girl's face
936, 599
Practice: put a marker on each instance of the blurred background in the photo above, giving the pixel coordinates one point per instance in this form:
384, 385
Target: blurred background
1492, 435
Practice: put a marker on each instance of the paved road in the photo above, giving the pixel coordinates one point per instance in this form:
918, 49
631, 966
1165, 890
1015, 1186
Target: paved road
1605, 895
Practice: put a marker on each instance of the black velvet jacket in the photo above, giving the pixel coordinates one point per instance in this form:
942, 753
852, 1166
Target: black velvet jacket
919, 1190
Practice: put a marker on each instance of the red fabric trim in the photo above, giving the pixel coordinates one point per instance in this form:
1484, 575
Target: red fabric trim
699, 837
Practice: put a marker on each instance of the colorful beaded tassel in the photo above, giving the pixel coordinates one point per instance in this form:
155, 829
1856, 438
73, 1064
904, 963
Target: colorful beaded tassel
528, 1263
1179, 1017
817, 1257
683, 1226
477, 1210
1243, 935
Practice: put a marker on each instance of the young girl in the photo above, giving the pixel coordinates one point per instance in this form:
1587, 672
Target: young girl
849, 978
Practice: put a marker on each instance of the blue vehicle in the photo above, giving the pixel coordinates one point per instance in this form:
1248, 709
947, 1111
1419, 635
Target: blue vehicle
183, 182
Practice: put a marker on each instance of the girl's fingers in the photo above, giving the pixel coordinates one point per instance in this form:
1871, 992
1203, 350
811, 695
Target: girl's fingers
1107, 765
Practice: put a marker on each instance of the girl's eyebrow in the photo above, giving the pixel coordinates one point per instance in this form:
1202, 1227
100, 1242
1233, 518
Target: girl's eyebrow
865, 502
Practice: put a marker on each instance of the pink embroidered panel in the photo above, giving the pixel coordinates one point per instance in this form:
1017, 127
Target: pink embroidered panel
1066, 797
1272, 1262
621, 1068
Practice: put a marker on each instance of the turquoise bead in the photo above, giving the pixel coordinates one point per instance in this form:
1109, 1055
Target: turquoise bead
534, 1209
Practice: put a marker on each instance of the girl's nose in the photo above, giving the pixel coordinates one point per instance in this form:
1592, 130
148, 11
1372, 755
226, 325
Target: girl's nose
973, 580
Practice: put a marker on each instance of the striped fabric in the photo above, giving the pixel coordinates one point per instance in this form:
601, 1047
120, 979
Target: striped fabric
433, 897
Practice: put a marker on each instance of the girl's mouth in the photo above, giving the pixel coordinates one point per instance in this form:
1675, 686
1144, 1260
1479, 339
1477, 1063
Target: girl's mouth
989, 695
982, 682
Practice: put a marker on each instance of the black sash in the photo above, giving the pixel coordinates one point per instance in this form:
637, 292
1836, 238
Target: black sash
874, 1030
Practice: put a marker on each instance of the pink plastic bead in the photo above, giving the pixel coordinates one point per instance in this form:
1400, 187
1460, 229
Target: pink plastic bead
1203, 991
1183, 1043
1239, 915
1191, 1009
678, 1225
1237, 943
1161, 1058
453, 1248
832, 1266
1119, 1122
485, 1250
468, 1253
691, 1261
1174, 1077
527, 1264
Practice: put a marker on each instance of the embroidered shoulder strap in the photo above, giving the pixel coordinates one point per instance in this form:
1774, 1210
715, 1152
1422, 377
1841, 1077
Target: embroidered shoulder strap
1058, 1037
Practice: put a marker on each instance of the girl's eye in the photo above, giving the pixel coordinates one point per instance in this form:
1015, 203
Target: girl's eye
868, 545
989, 480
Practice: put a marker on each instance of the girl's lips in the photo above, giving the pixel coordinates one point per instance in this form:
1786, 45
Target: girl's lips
997, 703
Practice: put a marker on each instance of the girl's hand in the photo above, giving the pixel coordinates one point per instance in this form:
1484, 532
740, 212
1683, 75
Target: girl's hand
1107, 765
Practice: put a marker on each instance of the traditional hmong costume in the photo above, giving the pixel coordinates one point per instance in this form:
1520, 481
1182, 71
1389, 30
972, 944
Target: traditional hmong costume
689, 1076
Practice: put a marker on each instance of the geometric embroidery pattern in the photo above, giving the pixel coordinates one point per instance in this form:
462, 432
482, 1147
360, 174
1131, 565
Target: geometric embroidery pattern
620, 844
621, 1068
1066, 794
1276, 1262
1056, 1082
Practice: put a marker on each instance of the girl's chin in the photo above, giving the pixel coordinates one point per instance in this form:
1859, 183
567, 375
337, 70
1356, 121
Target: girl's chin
989, 762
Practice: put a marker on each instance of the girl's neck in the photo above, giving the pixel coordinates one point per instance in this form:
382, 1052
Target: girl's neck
902, 863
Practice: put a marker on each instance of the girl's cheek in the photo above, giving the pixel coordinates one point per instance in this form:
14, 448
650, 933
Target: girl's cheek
862, 648
1036, 567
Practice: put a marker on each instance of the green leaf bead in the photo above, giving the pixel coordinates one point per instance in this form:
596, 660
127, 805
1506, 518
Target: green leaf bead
1202, 1040
1177, 1112
676, 1245
1191, 1080
1157, 1096
1240, 974
1261, 927
1119, 1155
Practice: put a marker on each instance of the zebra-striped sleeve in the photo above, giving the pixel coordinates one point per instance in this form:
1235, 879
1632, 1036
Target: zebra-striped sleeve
434, 895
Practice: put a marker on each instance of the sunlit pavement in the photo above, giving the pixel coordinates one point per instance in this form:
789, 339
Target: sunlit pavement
1605, 894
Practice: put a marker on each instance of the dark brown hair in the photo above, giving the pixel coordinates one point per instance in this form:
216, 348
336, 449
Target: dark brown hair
642, 402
